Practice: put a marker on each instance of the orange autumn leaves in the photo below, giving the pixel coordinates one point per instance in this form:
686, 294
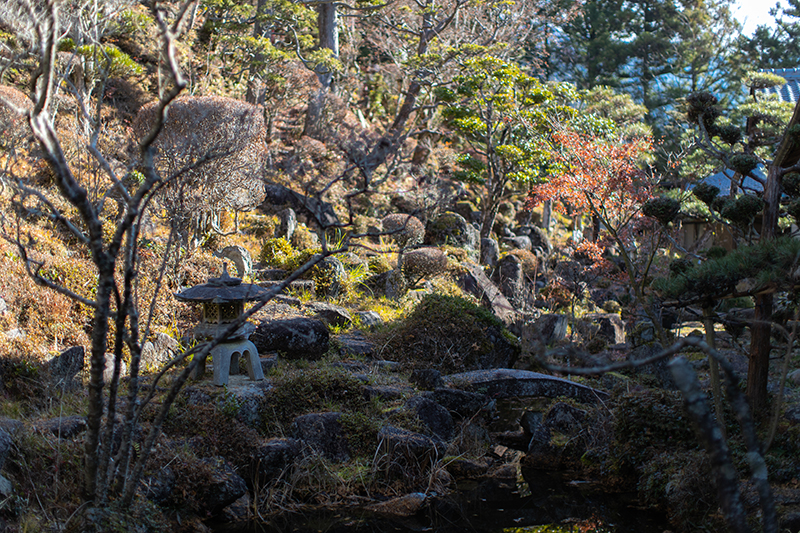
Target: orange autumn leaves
597, 176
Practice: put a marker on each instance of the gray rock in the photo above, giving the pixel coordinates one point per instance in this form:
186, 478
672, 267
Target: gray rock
406, 454
355, 343
6, 490
240, 257
512, 281
609, 326
224, 487
108, 371
490, 252
322, 212
238, 513
333, 315
547, 328
158, 487
272, 459
3, 306
435, 417
159, 352
508, 383
323, 433
462, 403
65, 367
474, 281
537, 236
565, 418
288, 224
468, 469
382, 392
659, 368
246, 399
369, 319
10, 425
294, 338
6, 442
641, 333
65, 427
426, 378
520, 242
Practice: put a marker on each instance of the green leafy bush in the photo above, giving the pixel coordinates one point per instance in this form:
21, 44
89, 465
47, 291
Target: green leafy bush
706, 193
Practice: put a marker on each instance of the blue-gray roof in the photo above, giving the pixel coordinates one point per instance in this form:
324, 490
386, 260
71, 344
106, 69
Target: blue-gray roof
722, 180
790, 92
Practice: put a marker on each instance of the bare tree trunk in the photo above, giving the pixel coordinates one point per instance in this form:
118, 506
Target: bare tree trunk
761, 329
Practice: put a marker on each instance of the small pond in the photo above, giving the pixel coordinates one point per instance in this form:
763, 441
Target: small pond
570, 507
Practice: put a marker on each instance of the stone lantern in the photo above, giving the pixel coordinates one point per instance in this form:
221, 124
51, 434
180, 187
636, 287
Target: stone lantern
223, 301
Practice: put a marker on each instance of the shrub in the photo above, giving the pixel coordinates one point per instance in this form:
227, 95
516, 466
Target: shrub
744, 163
743, 210
211, 152
663, 209
276, 252
706, 193
449, 333
791, 184
423, 263
405, 230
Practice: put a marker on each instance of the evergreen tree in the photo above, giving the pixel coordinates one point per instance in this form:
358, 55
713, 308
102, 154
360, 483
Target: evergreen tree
779, 46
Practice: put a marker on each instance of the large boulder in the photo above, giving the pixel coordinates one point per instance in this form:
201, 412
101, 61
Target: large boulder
294, 338
537, 236
474, 280
406, 454
240, 257
512, 281
224, 486
435, 417
508, 383
159, 351
321, 212
272, 458
64, 367
608, 326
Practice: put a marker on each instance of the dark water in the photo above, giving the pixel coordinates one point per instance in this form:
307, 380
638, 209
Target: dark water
563, 508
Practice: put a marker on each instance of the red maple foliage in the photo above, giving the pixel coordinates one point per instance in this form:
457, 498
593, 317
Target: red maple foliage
598, 177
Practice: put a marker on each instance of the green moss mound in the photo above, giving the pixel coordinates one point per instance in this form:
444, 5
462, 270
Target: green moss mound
450, 334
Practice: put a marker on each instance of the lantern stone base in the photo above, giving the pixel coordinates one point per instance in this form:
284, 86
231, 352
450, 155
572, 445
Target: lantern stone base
225, 357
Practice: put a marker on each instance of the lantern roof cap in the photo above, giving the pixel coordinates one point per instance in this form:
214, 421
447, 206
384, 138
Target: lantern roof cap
224, 289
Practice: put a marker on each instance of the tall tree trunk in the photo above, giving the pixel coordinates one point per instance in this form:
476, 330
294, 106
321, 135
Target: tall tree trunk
328, 37
761, 329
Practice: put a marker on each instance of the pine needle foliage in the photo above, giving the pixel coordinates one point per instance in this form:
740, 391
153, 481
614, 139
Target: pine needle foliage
768, 264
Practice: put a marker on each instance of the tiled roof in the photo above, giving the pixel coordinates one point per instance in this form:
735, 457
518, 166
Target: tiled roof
791, 91
722, 180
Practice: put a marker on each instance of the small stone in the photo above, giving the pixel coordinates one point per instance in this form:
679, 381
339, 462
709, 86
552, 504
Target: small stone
6, 487
369, 319
5, 447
